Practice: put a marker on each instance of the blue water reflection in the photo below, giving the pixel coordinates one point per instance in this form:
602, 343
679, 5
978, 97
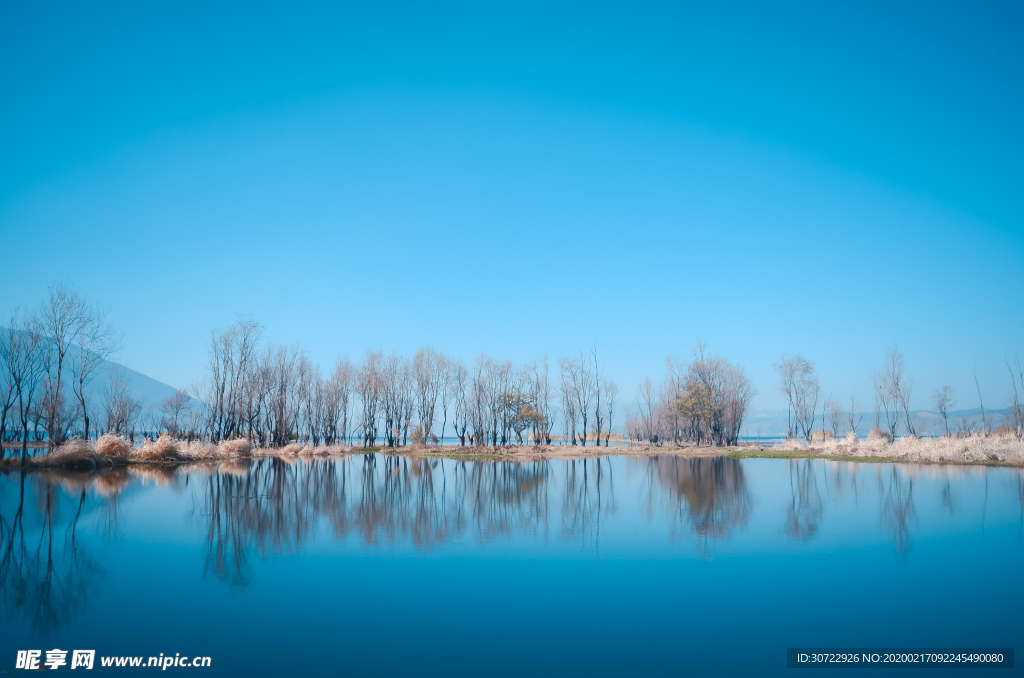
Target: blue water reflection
371, 564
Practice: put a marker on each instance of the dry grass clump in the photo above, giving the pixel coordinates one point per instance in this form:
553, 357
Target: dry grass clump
197, 450
234, 448
878, 434
163, 448
970, 449
77, 452
112, 446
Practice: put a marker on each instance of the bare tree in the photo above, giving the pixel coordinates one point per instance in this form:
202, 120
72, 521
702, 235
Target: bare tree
428, 368
368, 388
853, 418
339, 400
542, 397
887, 402
444, 373
1016, 411
25, 368
944, 399
646, 404
734, 402
835, 416
173, 411
984, 421
120, 407
96, 342
8, 393
598, 413
61, 318
893, 390
460, 419
582, 376
568, 386
611, 391
799, 384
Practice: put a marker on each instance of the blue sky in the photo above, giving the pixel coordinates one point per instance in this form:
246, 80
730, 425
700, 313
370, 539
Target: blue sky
528, 179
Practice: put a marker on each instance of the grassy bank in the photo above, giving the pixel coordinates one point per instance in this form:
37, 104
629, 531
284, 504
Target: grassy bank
992, 450
806, 454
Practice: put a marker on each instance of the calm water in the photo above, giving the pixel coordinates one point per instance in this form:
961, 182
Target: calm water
621, 566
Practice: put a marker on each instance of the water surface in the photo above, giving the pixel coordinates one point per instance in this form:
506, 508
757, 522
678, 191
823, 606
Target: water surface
376, 565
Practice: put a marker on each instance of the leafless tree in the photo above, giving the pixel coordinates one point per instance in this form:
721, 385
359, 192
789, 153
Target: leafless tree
646, 401
598, 412
119, 406
60, 319
232, 367
96, 342
580, 388
444, 367
892, 393
173, 411
428, 375
459, 376
734, 401
853, 418
339, 389
569, 399
542, 397
944, 399
886, 403
611, 391
25, 368
1016, 411
984, 420
835, 416
8, 393
368, 388
798, 382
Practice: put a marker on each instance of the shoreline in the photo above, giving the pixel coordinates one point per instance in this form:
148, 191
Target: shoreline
110, 452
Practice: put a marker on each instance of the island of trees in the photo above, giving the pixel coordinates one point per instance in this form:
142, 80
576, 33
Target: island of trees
274, 396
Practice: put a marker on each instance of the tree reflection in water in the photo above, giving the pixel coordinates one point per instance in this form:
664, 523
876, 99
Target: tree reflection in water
708, 495
803, 515
896, 492
45, 579
272, 504
588, 493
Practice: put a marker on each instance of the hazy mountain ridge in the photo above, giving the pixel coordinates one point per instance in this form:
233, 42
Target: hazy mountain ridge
769, 423
147, 390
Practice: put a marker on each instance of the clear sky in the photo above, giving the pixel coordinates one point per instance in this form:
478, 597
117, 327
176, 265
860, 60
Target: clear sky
824, 178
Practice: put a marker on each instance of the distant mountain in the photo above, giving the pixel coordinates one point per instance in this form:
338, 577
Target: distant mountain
769, 424
146, 389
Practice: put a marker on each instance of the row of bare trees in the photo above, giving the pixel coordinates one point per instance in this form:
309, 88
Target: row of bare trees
703, 401
275, 395
892, 390
49, 358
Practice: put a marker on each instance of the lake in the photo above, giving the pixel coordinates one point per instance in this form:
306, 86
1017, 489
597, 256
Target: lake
640, 566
